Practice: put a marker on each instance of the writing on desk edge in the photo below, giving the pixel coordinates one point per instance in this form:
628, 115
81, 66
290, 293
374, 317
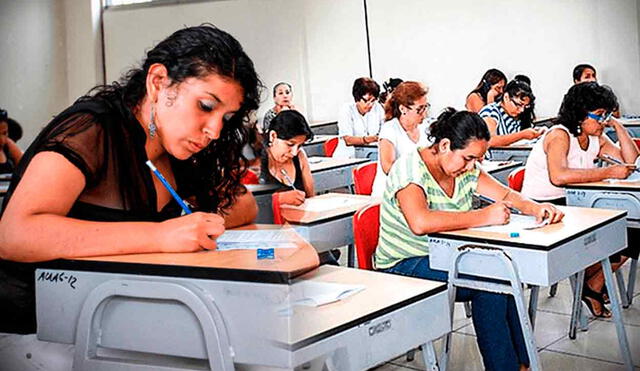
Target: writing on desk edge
58, 277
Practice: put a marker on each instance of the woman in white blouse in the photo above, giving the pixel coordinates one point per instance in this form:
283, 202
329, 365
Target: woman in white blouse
359, 121
404, 132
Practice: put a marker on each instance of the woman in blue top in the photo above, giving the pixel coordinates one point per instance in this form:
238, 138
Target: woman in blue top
502, 116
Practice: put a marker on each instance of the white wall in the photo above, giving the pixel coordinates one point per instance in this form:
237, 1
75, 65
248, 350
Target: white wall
450, 45
314, 45
84, 46
32, 63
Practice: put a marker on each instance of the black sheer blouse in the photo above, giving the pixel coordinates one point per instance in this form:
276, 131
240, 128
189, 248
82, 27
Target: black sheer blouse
104, 140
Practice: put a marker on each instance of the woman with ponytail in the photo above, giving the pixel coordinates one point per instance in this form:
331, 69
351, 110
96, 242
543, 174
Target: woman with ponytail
85, 174
430, 190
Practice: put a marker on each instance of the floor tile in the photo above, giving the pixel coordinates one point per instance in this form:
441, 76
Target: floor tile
550, 327
567, 362
601, 342
465, 355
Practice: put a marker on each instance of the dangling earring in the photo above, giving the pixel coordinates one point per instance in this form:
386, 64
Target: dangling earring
152, 124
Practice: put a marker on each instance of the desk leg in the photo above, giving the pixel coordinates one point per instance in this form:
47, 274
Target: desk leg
533, 305
429, 354
624, 298
617, 313
351, 256
577, 280
632, 279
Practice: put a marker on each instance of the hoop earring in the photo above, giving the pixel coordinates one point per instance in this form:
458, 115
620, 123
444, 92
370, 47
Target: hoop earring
152, 124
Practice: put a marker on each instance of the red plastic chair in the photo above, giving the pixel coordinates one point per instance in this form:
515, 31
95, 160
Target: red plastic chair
275, 207
516, 178
366, 228
363, 177
330, 146
636, 141
249, 177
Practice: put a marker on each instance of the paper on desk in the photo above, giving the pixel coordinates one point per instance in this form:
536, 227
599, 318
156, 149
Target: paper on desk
517, 223
315, 160
634, 177
525, 142
315, 294
326, 204
253, 240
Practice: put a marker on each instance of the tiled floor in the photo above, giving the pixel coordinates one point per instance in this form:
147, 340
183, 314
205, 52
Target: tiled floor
595, 349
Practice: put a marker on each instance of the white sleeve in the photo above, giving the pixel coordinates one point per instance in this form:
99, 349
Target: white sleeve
375, 125
387, 132
345, 121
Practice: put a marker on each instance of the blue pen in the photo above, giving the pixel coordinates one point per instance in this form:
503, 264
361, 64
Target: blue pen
169, 188
617, 162
487, 199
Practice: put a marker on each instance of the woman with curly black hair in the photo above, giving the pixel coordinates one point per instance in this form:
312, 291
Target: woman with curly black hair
566, 155
83, 189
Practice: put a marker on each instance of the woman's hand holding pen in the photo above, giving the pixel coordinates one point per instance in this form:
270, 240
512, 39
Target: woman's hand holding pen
620, 171
191, 232
497, 213
547, 211
294, 197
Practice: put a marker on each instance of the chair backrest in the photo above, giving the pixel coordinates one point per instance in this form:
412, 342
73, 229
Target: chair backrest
636, 141
515, 179
249, 177
330, 146
275, 207
366, 228
363, 177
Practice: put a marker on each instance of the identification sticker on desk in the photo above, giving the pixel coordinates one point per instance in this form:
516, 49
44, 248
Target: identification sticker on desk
265, 254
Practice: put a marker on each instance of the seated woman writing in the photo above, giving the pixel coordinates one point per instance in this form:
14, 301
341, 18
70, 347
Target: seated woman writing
430, 190
284, 161
502, 117
83, 189
566, 154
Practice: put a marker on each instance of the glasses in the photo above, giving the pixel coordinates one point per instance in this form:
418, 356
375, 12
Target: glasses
368, 101
601, 119
421, 109
520, 105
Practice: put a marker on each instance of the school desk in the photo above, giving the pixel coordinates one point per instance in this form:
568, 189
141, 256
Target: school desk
514, 152
333, 173
326, 227
327, 127
368, 151
500, 169
262, 193
618, 195
541, 257
315, 147
220, 310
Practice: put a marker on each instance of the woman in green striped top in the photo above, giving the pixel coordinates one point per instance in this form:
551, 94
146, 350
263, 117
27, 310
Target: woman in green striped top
430, 190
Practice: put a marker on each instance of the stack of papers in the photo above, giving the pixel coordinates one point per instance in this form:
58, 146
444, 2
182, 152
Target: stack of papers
253, 240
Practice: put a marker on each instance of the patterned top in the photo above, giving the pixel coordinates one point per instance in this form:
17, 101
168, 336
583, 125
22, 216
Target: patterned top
397, 241
505, 123
268, 117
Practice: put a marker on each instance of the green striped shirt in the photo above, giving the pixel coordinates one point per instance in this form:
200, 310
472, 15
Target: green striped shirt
397, 242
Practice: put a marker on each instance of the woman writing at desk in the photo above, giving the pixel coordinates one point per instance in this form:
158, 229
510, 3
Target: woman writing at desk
82, 188
430, 190
566, 154
502, 116
284, 161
